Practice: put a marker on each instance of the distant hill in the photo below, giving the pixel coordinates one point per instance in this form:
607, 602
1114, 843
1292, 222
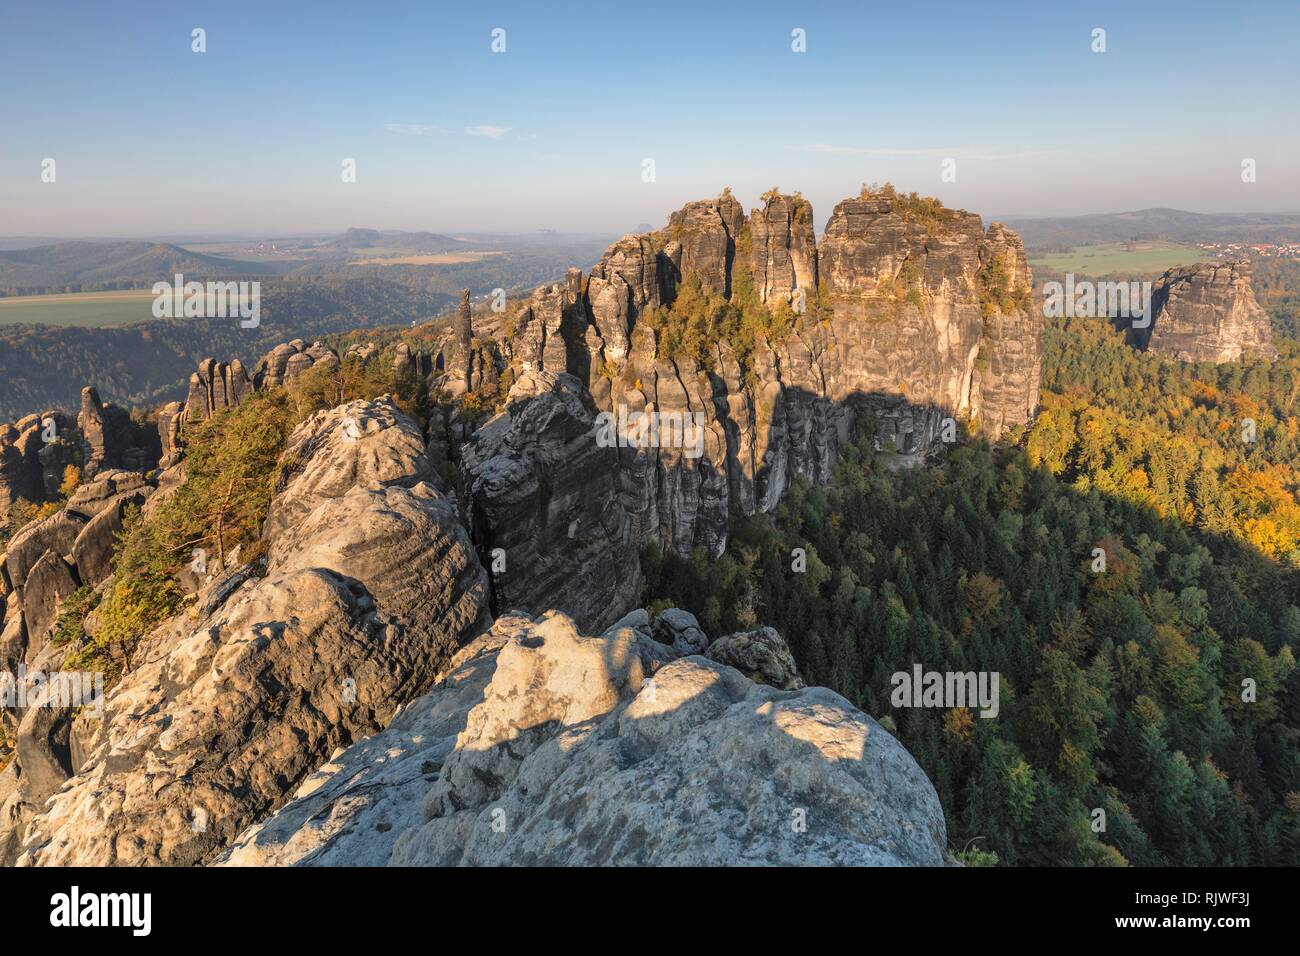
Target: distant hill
357, 240
1061, 233
92, 266
26, 242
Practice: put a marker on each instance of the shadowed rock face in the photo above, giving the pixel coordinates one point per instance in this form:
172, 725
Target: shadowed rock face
541, 746
538, 486
913, 313
1208, 313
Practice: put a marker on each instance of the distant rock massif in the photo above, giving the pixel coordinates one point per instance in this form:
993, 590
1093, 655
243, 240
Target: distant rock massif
907, 310
1208, 313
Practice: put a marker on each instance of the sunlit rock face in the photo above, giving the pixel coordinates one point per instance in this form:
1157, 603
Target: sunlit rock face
915, 314
1208, 313
369, 587
542, 746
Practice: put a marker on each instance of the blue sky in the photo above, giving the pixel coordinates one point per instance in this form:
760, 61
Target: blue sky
152, 139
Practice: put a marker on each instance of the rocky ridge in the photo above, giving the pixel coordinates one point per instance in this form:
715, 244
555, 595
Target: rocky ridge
314, 667
365, 593
540, 746
905, 314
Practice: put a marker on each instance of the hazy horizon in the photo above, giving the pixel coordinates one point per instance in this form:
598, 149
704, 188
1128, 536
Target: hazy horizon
248, 138
290, 233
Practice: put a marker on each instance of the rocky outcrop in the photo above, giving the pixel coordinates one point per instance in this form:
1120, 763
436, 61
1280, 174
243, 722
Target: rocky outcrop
37, 452
783, 248
365, 596
214, 387
702, 239
907, 314
540, 496
49, 560
459, 359
1208, 313
540, 746
170, 418
360, 444
761, 655
109, 437
538, 341
288, 360
34, 453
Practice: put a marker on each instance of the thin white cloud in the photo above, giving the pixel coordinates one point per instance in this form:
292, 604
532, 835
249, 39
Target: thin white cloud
413, 129
491, 132
956, 152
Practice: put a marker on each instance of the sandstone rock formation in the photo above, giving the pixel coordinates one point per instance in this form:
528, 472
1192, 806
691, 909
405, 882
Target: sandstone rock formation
170, 418
540, 497
365, 596
109, 437
220, 385
460, 360
761, 655
216, 386
34, 451
1208, 313
288, 360
540, 746
906, 315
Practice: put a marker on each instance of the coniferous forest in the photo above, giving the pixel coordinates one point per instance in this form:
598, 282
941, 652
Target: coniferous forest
1128, 566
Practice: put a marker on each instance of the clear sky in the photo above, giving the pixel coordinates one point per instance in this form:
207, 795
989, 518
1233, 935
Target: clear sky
151, 138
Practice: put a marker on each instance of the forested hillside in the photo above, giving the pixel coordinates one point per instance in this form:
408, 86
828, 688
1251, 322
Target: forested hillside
149, 362
84, 266
1121, 689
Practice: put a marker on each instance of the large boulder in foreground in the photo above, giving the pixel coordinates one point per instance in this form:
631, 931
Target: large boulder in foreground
540, 746
364, 599
355, 444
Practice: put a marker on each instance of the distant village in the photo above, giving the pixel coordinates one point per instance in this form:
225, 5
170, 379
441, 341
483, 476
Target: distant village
1266, 250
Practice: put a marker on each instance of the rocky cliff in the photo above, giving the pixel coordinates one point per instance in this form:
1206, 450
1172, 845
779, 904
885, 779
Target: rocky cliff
1208, 313
369, 586
540, 497
780, 349
354, 664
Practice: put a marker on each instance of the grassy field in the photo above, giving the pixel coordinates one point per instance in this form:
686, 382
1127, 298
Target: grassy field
84, 309
1133, 258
